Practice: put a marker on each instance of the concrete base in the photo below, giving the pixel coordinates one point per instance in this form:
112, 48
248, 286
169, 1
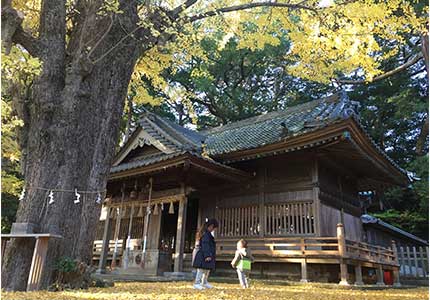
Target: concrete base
179, 275
343, 282
304, 280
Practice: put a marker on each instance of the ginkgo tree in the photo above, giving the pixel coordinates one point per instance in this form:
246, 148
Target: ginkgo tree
89, 50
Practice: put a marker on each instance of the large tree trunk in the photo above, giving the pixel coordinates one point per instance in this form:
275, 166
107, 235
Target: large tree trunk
73, 128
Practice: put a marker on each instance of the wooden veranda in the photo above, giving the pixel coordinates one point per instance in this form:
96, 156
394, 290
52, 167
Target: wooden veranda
320, 250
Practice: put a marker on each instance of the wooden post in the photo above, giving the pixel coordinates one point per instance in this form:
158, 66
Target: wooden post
427, 257
116, 234
396, 271
127, 245
414, 251
303, 261
408, 257
261, 208
358, 275
379, 275
423, 261
105, 246
315, 197
37, 263
146, 224
304, 271
180, 233
342, 253
402, 262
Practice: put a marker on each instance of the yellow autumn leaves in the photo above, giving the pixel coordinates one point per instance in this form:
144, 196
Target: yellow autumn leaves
222, 291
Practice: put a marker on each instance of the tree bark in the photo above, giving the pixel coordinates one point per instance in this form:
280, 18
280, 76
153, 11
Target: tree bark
422, 137
73, 128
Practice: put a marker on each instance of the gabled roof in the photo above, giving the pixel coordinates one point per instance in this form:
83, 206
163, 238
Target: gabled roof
278, 130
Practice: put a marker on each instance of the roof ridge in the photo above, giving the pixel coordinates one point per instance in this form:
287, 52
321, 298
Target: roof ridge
263, 117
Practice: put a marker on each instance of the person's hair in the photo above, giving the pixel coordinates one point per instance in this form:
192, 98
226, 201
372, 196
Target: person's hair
204, 227
243, 242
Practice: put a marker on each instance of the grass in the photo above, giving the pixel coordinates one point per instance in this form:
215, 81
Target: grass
260, 290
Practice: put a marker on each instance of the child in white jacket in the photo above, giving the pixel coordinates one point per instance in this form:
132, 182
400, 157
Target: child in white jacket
242, 262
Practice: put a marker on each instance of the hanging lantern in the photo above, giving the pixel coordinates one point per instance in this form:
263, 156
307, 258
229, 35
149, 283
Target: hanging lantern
155, 210
140, 213
133, 193
171, 209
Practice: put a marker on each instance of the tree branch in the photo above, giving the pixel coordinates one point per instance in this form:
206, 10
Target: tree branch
12, 31
177, 10
399, 69
244, 7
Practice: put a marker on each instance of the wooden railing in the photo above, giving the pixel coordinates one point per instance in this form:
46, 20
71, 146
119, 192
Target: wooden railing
284, 247
316, 247
286, 219
370, 253
414, 261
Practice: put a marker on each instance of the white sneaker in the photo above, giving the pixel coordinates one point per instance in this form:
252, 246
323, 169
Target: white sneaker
198, 287
207, 285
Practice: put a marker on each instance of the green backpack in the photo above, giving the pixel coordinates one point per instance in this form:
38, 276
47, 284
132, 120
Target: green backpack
244, 264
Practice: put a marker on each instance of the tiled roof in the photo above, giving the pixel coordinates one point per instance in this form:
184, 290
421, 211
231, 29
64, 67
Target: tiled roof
249, 133
276, 126
159, 157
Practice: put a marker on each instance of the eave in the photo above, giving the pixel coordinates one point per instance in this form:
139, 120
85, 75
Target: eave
346, 129
187, 160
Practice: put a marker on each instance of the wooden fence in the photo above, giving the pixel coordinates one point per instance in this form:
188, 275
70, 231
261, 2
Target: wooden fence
414, 262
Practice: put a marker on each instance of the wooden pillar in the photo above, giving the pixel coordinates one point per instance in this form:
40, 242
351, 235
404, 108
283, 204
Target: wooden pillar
105, 245
180, 235
261, 208
118, 215
396, 271
304, 271
315, 197
379, 276
358, 275
125, 258
342, 253
37, 263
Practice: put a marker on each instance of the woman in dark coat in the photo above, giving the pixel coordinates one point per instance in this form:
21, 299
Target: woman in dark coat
205, 254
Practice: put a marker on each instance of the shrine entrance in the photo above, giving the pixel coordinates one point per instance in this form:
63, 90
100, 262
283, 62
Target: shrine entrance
168, 231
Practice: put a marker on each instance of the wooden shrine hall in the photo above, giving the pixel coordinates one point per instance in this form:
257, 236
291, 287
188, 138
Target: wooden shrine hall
290, 182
